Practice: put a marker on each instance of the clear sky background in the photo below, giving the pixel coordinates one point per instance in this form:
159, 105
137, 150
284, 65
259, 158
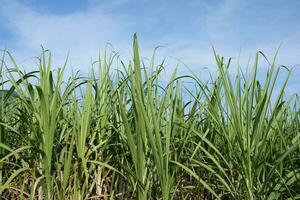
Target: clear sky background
185, 29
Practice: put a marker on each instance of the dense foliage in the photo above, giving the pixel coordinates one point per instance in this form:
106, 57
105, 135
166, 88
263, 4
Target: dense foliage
124, 133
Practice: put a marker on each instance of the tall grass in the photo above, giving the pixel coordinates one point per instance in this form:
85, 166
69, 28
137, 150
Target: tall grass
122, 133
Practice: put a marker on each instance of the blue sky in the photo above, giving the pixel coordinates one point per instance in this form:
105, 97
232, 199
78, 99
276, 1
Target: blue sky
185, 29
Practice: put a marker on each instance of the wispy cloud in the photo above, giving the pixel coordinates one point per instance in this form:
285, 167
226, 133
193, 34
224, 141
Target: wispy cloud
186, 31
82, 33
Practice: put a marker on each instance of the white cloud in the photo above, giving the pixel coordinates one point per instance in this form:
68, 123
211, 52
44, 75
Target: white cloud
83, 33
